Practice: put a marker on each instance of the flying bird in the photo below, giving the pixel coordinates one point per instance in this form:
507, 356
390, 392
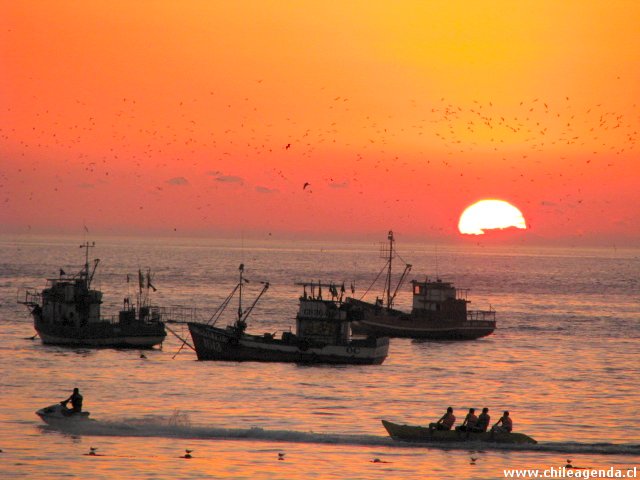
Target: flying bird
306, 184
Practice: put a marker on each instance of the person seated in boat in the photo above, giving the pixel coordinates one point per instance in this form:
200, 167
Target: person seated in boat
76, 401
469, 423
504, 425
445, 422
483, 421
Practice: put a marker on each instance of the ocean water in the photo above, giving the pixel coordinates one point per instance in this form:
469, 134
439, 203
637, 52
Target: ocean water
565, 360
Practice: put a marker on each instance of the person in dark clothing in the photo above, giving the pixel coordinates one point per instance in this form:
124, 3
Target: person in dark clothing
483, 421
469, 423
76, 401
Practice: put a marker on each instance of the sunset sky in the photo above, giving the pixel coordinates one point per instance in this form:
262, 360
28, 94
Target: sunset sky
208, 118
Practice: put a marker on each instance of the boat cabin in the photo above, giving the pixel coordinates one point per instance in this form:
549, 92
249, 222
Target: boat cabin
322, 320
69, 301
437, 296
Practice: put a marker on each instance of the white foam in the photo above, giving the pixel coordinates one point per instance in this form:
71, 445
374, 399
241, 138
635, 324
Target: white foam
167, 427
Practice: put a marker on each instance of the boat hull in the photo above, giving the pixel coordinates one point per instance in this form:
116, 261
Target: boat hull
410, 433
60, 415
213, 343
397, 327
102, 334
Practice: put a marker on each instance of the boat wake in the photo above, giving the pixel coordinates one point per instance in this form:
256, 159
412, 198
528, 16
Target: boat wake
179, 426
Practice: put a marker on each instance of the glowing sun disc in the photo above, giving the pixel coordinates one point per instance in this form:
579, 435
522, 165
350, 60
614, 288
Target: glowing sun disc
490, 214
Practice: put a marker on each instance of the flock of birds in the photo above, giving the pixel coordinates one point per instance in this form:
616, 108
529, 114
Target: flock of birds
527, 142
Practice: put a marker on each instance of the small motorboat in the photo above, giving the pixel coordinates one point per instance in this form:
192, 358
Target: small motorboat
58, 413
411, 433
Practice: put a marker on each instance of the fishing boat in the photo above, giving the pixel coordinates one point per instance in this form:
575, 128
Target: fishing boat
322, 333
439, 310
67, 312
411, 433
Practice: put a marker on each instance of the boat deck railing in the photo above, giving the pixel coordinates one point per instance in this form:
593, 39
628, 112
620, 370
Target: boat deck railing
29, 296
179, 314
481, 315
152, 316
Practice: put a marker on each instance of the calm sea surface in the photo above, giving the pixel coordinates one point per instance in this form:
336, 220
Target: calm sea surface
565, 361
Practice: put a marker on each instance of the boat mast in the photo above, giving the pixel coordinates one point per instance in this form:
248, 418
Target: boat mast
240, 294
86, 245
388, 283
389, 253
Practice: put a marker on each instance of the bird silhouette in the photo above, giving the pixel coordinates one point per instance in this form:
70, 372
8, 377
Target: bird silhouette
306, 184
281, 455
187, 453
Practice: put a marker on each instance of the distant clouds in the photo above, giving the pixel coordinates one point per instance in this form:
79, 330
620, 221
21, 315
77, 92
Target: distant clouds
266, 190
178, 181
344, 184
227, 178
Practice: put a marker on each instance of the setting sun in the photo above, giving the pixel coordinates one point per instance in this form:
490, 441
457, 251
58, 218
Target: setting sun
490, 214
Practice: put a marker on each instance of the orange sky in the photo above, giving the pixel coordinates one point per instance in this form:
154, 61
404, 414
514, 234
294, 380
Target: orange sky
165, 117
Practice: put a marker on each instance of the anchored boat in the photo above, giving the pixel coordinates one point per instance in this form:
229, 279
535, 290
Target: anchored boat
411, 433
67, 312
439, 310
322, 334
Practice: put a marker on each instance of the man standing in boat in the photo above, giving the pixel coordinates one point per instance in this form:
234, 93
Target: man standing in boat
76, 401
445, 422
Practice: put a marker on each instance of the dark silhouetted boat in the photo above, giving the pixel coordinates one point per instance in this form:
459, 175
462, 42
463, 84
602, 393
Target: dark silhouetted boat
439, 311
57, 414
411, 433
67, 312
322, 334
